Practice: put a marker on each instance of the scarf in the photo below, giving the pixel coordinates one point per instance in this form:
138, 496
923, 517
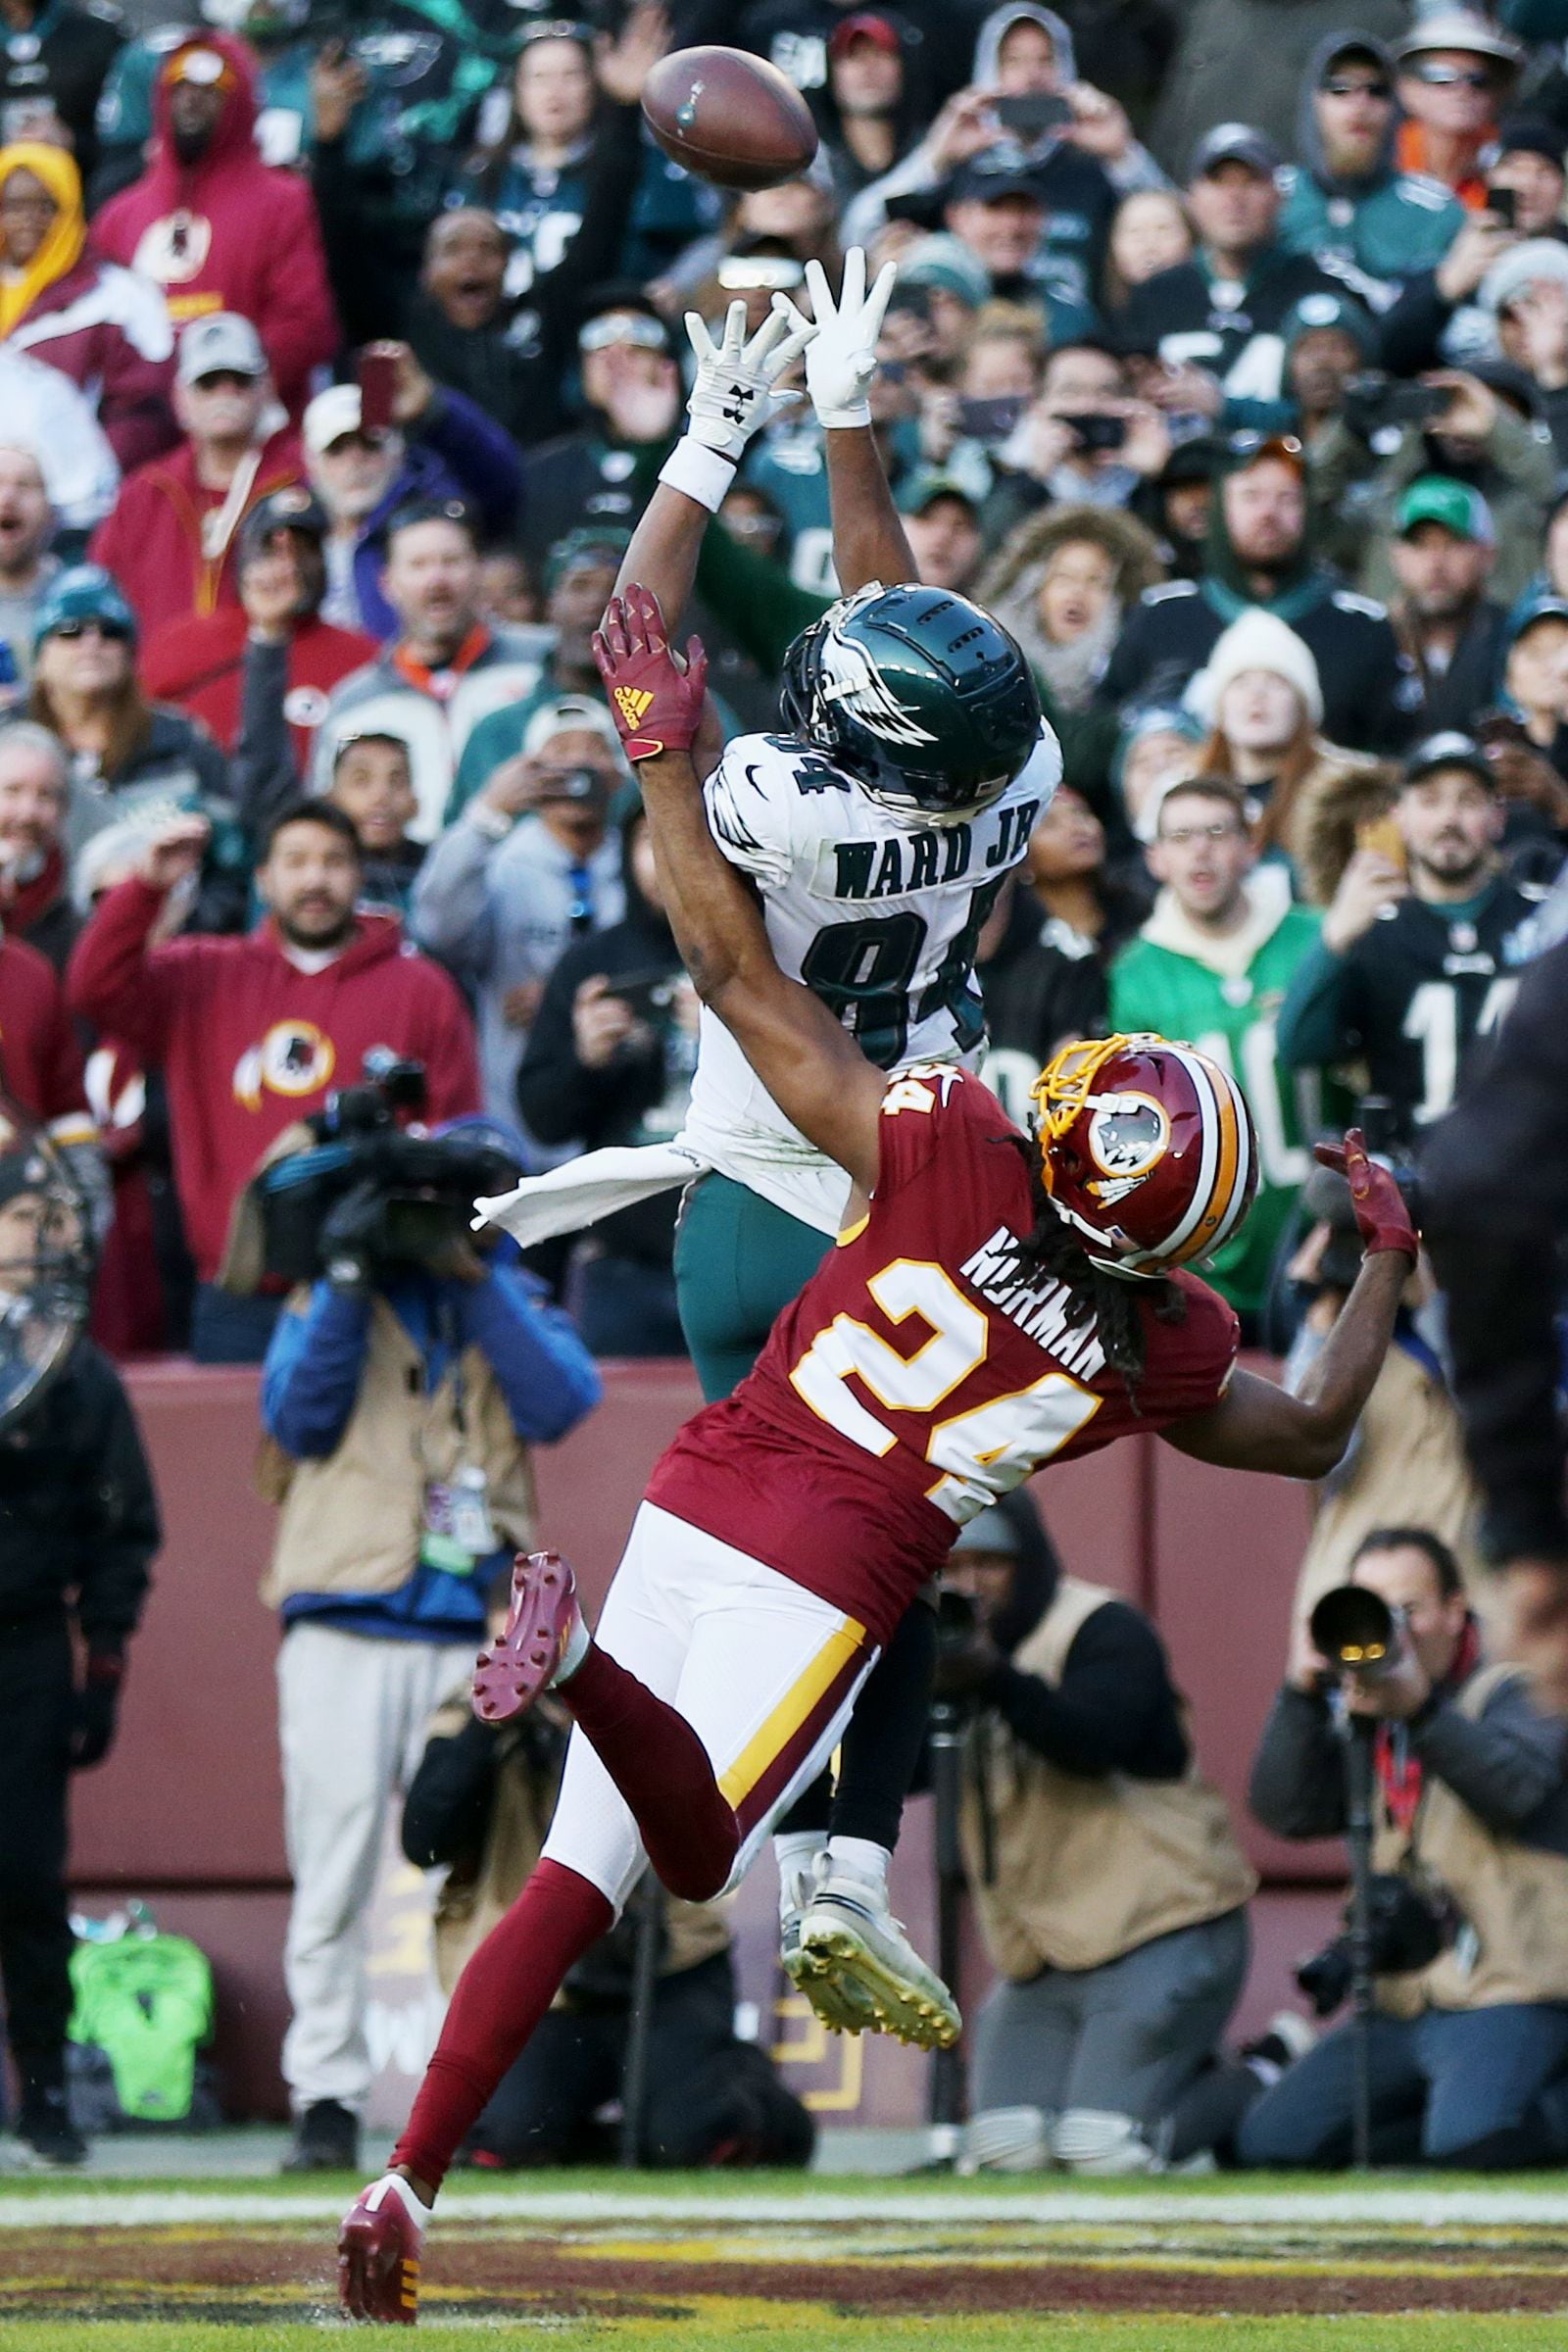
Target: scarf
64, 238
1399, 1768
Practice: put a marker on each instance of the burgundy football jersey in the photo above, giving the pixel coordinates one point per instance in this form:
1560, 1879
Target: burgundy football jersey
917, 1376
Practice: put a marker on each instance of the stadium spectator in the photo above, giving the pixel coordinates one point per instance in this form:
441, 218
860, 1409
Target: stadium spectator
438, 446
80, 1529
602, 474
578, 578
1348, 201
1442, 553
1260, 551
609, 1061
528, 865
1157, 746
1211, 965
1420, 948
1222, 311
1090, 907
372, 784
479, 1805
1082, 440
103, 326
870, 99
27, 560
274, 633
1536, 677
1150, 232
55, 58
40, 1059
400, 1404
1457, 74
1199, 87
1527, 157
1471, 1807
942, 524
995, 209
252, 1033
34, 791
1105, 1870
446, 668
172, 537
214, 225
1062, 584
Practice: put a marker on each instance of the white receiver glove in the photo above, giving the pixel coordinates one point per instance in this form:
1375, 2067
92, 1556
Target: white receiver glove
733, 395
841, 360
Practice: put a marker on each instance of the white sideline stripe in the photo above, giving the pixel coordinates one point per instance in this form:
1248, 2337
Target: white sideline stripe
1435, 2208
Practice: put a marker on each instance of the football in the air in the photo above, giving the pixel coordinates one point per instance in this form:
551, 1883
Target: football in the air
731, 119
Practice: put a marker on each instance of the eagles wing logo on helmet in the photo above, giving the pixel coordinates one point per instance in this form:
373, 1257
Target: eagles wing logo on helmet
848, 677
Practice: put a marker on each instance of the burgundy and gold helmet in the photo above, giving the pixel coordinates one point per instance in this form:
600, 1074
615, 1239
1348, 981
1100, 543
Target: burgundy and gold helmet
1147, 1150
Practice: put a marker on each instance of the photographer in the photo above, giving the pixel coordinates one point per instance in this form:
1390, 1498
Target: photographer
1471, 1812
481, 1802
609, 1060
1111, 1889
402, 1391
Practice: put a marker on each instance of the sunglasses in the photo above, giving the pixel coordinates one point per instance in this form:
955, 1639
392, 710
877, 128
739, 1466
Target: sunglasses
1447, 78
1337, 87
114, 633
623, 326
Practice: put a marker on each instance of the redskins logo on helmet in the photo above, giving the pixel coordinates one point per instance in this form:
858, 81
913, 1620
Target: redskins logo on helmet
1147, 1150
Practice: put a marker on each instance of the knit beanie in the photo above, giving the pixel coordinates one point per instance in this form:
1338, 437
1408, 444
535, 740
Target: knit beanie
1257, 640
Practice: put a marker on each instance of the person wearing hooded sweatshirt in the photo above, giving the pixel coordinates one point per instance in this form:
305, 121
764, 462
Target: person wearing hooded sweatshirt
56, 55
1212, 964
215, 226
252, 1033
101, 325
609, 1060
1080, 171
1260, 553
1347, 202
1110, 1888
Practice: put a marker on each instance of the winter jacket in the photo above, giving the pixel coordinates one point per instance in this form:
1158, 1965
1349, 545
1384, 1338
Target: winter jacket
38, 911
154, 541
496, 903
1341, 791
1456, 697
1176, 315
109, 331
455, 451
250, 1044
79, 1517
434, 715
202, 665
227, 233
1373, 231
40, 1060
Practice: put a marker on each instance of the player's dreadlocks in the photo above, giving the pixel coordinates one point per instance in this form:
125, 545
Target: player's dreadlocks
1051, 1252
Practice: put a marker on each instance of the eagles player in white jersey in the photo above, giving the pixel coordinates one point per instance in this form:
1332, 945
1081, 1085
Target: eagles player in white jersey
878, 826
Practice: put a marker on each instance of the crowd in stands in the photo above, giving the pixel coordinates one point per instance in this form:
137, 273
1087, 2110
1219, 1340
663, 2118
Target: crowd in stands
339, 352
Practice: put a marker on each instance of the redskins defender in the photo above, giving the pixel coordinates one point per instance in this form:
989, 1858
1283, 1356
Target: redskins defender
996, 1303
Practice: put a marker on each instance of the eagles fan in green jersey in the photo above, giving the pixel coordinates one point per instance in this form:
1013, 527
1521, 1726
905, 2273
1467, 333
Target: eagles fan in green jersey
1211, 966
878, 827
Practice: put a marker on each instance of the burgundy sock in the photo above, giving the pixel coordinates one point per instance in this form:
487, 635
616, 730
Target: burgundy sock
663, 1770
503, 1992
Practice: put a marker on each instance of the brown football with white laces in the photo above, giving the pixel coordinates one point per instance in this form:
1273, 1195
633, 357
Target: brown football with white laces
729, 118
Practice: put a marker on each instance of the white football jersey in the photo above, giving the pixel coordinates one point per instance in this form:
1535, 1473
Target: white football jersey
880, 916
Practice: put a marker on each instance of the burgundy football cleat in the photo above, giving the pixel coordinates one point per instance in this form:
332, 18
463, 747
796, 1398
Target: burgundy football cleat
510, 1674
378, 2249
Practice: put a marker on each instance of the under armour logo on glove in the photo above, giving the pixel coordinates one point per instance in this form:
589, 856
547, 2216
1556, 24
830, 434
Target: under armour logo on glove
734, 392
656, 705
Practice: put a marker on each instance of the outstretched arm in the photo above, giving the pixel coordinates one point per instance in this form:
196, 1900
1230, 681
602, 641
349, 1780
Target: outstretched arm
1257, 1426
811, 1067
869, 535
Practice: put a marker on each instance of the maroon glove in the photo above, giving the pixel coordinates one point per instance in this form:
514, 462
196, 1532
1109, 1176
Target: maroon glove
1381, 1216
657, 705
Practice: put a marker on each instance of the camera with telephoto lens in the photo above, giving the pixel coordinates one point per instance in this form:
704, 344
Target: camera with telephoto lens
1410, 1926
372, 1195
1356, 1632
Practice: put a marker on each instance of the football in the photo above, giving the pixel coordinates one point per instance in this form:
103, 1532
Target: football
729, 118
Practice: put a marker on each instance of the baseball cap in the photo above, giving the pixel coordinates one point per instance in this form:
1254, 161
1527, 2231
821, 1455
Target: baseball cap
1529, 134
990, 178
567, 713
1544, 608
332, 417
1322, 309
1451, 749
223, 343
865, 25
1234, 143
84, 592
946, 262
925, 486
589, 543
1355, 44
292, 508
1437, 498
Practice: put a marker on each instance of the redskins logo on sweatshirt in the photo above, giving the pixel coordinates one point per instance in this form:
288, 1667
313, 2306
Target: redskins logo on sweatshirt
294, 1057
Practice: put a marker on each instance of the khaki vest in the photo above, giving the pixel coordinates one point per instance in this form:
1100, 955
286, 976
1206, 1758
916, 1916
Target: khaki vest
1088, 1870
354, 1521
471, 1901
1513, 1897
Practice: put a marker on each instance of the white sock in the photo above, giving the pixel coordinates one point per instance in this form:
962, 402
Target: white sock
863, 1859
578, 1643
795, 1851
394, 2183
